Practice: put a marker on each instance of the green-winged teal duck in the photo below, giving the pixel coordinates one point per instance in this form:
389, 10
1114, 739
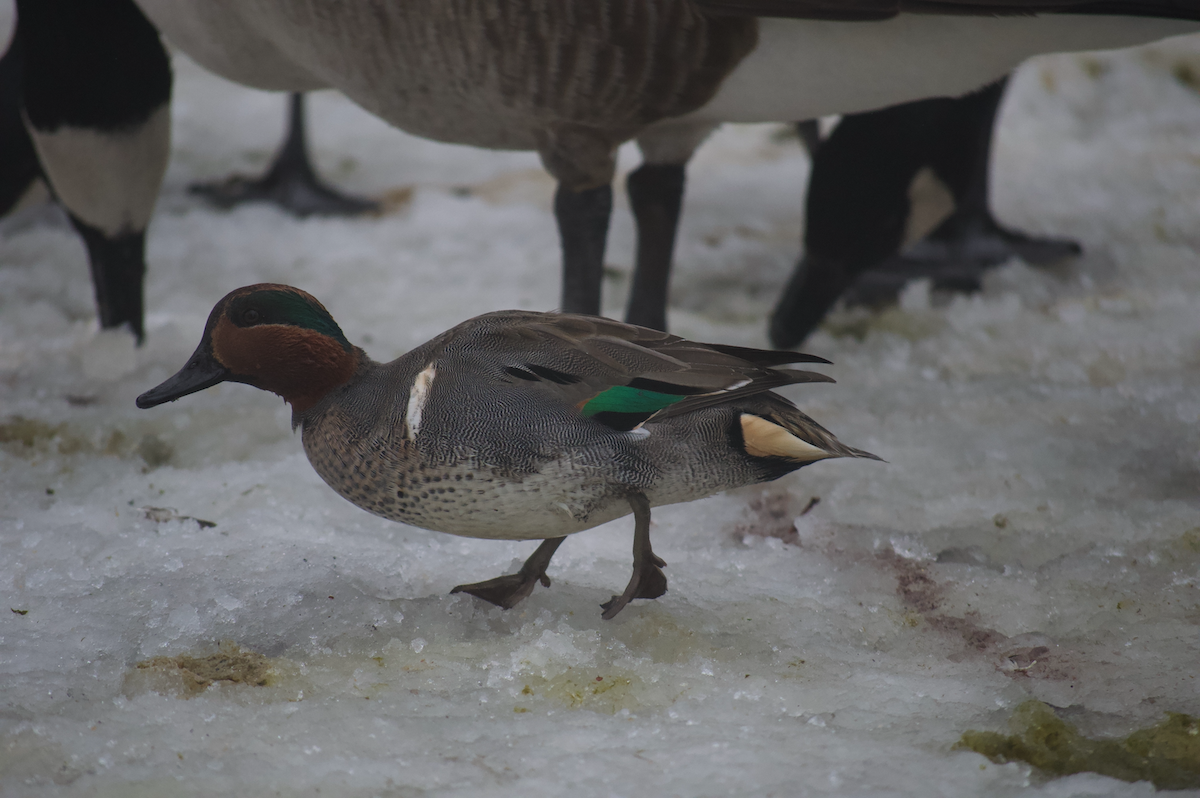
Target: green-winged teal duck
516, 425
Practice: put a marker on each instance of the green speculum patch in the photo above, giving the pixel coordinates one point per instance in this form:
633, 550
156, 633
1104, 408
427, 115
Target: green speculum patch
1167, 754
623, 399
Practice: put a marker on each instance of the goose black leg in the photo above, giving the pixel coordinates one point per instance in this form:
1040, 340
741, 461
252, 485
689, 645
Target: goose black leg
648, 580
290, 182
970, 241
858, 207
656, 196
582, 218
809, 132
962, 159
508, 590
855, 213
118, 266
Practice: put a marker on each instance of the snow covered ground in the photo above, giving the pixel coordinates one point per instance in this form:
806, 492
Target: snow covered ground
1035, 532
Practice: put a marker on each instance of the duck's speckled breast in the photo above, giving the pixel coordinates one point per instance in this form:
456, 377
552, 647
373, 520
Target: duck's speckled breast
468, 491
385, 473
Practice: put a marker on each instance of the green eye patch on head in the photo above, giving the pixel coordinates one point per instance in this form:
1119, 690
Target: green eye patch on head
273, 306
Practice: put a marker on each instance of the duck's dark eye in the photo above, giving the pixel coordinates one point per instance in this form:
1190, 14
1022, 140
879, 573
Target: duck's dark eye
251, 316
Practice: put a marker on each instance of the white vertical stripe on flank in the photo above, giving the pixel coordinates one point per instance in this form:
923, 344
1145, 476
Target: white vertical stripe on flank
417, 396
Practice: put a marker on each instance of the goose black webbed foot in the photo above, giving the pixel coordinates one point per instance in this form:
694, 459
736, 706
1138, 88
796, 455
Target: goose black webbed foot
290, 182
509, 590
955, 257
648, 580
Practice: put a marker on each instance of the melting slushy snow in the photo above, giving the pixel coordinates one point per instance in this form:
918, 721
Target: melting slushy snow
1035, 532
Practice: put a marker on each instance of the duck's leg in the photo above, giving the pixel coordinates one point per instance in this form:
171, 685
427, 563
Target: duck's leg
508, 590
290, 182
648, 580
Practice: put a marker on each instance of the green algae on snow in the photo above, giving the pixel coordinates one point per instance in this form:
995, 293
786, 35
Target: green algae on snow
187, 675
30, 437
606, 694
1167, 754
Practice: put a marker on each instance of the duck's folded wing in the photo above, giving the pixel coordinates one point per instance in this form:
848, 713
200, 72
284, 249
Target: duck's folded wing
622, 375
874, 10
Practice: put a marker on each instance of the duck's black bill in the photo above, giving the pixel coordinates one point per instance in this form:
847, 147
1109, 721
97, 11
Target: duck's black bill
200, 372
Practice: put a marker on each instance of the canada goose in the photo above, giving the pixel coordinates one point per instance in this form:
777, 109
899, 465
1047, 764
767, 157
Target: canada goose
94, 90
573, 80
118, 110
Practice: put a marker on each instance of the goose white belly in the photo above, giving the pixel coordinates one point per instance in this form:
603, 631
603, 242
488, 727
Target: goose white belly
425, 66
227, 37
803, 69
452, 71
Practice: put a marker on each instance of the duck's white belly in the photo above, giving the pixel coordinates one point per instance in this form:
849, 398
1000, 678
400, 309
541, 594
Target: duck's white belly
803, 69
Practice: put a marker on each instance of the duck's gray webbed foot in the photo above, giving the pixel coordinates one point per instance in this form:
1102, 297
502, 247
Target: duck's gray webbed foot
648, 580
509, 590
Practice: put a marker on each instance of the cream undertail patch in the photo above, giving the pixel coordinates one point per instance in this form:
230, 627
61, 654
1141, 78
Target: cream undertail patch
766, 439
